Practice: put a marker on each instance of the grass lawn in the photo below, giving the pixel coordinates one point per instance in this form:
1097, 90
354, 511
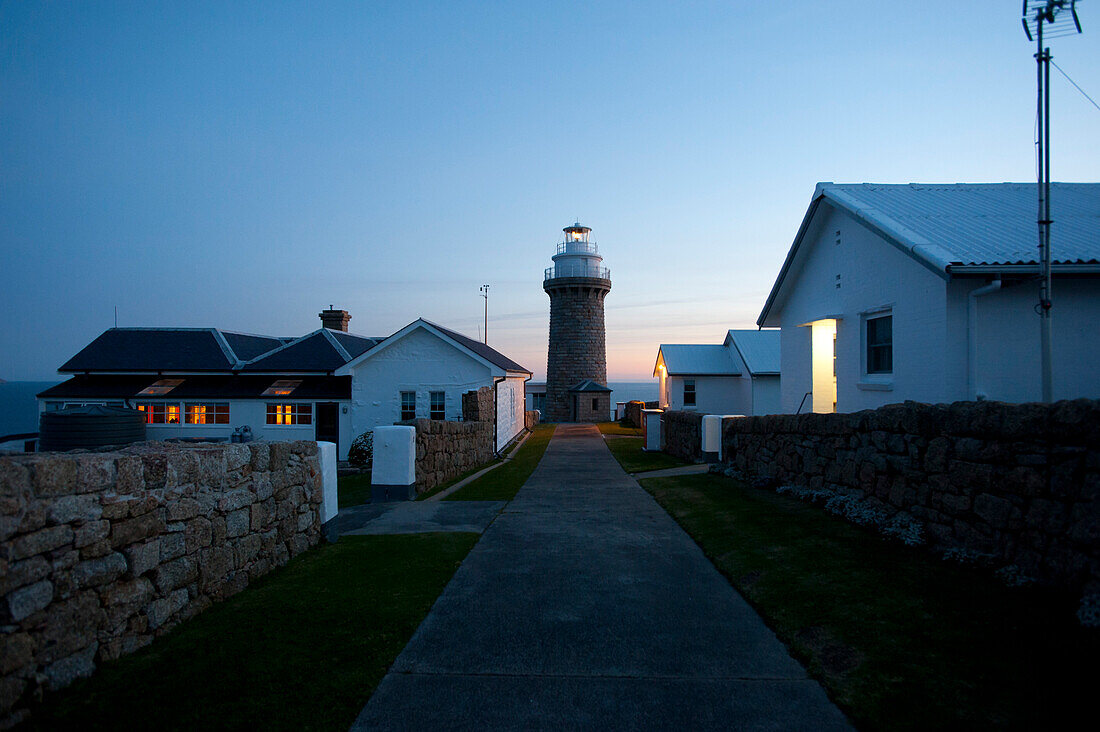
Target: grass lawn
628, 451
899, 639
449, 483
617, 428
351, 490
502, 484
303, 648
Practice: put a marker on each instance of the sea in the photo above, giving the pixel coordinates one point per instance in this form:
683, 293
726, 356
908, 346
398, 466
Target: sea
626, 391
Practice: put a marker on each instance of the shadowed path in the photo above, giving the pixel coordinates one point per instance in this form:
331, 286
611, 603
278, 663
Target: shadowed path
584, 605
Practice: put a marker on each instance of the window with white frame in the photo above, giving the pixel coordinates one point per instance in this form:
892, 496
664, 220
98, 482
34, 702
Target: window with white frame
689, 392
206, 413
408, 405
438, 402
879, 337
160, 412
290, 414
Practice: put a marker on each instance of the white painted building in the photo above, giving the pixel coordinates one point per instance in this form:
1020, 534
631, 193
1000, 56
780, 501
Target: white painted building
740, 376
204, 383
423, 370
928, 293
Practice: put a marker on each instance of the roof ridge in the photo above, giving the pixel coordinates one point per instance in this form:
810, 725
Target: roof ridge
336, 344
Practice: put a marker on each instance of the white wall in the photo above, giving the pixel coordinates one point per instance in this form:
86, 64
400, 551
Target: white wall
510, 403
420, 362
1008, 340
713, 394
872, 274
766, 395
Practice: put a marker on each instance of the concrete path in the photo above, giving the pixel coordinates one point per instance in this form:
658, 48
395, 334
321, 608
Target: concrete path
585, 606
416, 517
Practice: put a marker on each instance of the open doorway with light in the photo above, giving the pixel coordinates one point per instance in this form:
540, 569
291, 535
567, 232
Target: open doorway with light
823, 364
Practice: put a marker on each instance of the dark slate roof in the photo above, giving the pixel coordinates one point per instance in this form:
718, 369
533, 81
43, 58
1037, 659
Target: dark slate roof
588, 385
489, 354
248, 346
116, 386
355, 345
152, 349
314, 352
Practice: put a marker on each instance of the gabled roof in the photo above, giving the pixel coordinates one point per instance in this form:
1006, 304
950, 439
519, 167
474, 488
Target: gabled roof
966, 227
479, 351
696, 359
491, 355
588, 385
759, 349
154, 349
317, 351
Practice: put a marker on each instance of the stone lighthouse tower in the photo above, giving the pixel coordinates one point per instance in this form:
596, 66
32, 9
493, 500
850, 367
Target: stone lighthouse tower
576, 362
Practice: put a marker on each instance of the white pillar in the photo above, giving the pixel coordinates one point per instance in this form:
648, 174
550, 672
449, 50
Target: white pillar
393, 472
711, 437
329, 496
651, 418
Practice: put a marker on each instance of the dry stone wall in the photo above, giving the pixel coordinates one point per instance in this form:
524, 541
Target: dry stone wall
100, 553
446, 450
682, 435
1017, 483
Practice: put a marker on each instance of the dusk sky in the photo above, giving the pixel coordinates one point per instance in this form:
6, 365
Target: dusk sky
244, 165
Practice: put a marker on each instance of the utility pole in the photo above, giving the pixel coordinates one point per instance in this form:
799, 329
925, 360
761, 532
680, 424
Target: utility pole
485, 294
1038, 13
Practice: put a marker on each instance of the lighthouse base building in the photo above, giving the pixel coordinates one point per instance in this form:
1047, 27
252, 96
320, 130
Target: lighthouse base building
576, 362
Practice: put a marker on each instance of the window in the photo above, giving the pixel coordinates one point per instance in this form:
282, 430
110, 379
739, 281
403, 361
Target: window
290, 414
408, 405
160, 388
689, 392
160, 413
880, 345
282, 387
206, 413
438, 404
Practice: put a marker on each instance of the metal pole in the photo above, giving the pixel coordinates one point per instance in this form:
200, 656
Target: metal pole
1043, 72
485, 294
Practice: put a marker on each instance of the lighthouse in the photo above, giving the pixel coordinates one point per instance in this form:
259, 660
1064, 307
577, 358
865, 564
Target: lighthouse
576, 361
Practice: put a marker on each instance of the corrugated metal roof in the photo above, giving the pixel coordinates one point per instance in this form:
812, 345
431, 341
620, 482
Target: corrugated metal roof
491, 355
980, 223
702, 359
759, 348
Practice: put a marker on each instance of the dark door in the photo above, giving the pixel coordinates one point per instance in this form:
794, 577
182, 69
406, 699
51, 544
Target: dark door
328, 423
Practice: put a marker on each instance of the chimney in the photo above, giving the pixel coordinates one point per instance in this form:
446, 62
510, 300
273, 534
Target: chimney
334, 319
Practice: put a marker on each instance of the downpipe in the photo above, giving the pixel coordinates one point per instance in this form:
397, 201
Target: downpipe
972, 336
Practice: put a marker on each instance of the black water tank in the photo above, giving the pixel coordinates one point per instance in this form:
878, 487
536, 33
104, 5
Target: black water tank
89, 427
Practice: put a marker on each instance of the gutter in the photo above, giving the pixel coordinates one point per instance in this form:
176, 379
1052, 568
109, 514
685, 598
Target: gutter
972, 336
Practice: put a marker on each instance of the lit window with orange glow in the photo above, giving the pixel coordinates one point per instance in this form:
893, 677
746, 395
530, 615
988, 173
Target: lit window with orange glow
206, 413
289, 414
160, 412
282, 387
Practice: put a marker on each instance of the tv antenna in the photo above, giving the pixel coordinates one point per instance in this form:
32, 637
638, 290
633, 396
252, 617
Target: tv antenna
1052, 19
484, 289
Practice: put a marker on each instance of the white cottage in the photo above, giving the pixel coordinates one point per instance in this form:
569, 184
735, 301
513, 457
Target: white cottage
740, 376
929, 293
327, 385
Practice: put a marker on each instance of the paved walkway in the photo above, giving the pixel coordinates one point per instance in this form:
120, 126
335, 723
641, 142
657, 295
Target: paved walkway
584, 605
416, 517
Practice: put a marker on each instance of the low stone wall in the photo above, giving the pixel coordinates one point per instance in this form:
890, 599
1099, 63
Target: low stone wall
682, 435
1019, 483
479, 405
530, 418
102, 552
446, 450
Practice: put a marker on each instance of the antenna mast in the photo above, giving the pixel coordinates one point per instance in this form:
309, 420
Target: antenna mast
1036, 15
485, 294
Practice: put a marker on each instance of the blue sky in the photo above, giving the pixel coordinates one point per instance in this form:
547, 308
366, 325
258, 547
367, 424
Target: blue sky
244, 165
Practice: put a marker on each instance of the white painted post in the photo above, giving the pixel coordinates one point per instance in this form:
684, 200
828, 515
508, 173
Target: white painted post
711, 437
393, 473
620, 410
329, 496
651, 418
